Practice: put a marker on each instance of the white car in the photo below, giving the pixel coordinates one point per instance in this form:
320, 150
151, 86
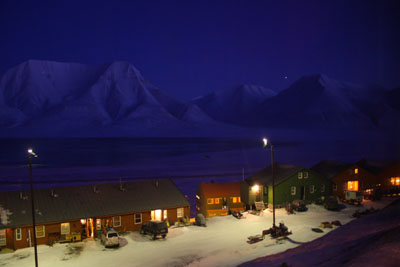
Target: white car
110, 238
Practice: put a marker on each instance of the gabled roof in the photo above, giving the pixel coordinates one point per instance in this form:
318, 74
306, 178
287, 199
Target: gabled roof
329, 168
282, 172
78, 202
373, 166
221, 189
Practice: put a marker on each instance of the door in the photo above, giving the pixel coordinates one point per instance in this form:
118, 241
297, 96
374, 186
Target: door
303, 193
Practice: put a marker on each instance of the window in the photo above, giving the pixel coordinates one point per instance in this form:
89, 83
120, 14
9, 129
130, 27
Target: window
322, 188
210, 201
352, 185
395, 180
65, 229
98, 224
165, 215
234, 199
18, 234
300, 175
312, 188
239, 200
305, 175
40, 232
3, 240
179, 212
138, 218
156, 215
355, 170
216, 200
293, 190
116, 221
334, 187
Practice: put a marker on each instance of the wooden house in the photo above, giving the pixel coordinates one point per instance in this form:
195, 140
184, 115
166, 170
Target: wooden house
360, 176
215, 199
77, 212
390, 179
291, 183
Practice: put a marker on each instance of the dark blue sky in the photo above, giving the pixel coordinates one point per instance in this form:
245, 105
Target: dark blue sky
189, 48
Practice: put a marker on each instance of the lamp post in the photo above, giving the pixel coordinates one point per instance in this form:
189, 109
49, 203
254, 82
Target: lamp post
265, 140
30, 155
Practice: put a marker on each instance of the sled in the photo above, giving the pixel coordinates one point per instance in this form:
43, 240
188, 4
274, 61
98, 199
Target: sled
257, 238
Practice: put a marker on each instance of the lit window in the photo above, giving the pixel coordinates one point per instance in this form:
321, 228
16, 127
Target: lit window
300, 175
293, 190
138, 218
355, 170
352, 185
156, 215
322, 188
3, 240
216, 200
334, 187
239, 200
312, 188
305, 175
210, 201
179, 212
395, 180
40, 232
18, 234
165, 215
116, 221
234, 199
65, 229
98, 224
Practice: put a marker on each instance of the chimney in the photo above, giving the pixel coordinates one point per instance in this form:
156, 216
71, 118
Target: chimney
53, 194
121, 186
95, 189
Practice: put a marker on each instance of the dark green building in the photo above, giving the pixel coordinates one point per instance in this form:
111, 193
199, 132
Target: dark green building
291, 183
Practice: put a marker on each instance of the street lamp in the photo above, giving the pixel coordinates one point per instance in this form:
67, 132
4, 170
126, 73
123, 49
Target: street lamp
30, 155
265, 140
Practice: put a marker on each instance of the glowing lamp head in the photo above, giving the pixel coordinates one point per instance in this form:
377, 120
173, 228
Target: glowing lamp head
30, 151
256, 188
265, 140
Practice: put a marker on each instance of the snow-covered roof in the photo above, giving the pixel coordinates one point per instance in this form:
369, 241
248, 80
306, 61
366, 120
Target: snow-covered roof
87, 201
330, 168
281, 171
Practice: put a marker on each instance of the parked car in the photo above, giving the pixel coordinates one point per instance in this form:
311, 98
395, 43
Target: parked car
155, 228
299, 205
110, 238
331, 203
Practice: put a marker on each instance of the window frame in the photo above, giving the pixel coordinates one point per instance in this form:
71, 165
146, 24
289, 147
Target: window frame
63, 228
18, 234
43, 231
293, 192
182, 211
3, 237
312, 189
210, 201
334, 187
216, 200
115, 221
300, 175
305, 175
135, 218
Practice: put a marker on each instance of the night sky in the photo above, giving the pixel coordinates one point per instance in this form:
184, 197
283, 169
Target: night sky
189, 48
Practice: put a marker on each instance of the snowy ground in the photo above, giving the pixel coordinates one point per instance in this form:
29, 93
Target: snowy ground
221, 243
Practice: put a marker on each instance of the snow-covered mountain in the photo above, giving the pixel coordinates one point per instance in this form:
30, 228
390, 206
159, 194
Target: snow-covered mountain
43, 98
51, 98
318, 101
233, 105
